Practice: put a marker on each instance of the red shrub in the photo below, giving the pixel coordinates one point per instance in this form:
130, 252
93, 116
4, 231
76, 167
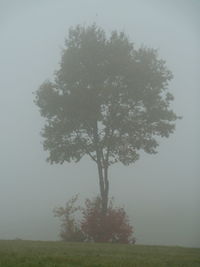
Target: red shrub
94, 226
110, 227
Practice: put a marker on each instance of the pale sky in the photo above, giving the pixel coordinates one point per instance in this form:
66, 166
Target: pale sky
161, 193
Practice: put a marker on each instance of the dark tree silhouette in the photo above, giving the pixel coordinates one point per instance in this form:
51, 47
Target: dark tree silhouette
108, 100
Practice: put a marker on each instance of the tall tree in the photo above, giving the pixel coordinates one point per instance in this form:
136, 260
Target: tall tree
108, 100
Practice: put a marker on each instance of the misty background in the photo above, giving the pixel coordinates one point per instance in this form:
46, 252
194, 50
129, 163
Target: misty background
161, 193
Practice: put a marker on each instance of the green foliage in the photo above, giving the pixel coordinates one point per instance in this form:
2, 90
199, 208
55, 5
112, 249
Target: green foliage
63, 254
107, 98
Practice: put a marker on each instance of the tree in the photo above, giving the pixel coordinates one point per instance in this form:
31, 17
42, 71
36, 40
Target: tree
108, 100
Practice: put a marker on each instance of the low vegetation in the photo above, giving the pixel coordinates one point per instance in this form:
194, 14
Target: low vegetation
63, 254
93, 225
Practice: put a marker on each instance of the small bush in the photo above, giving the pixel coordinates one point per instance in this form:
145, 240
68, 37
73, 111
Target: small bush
94, 225
110, 227
70, 227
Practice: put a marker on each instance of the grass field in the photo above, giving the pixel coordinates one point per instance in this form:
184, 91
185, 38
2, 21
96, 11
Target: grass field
52, 254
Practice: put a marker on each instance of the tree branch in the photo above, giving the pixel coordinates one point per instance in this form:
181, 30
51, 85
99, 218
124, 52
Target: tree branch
85, 147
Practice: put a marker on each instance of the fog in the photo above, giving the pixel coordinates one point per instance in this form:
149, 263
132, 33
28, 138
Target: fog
160, 192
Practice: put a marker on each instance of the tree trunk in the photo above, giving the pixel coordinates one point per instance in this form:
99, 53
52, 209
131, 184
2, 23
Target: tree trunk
104, 187
102, 166
103, 182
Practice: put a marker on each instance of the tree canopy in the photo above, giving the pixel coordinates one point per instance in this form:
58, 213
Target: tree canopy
108, 100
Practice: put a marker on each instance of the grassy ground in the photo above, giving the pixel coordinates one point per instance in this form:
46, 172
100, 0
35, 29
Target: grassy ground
52, 254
